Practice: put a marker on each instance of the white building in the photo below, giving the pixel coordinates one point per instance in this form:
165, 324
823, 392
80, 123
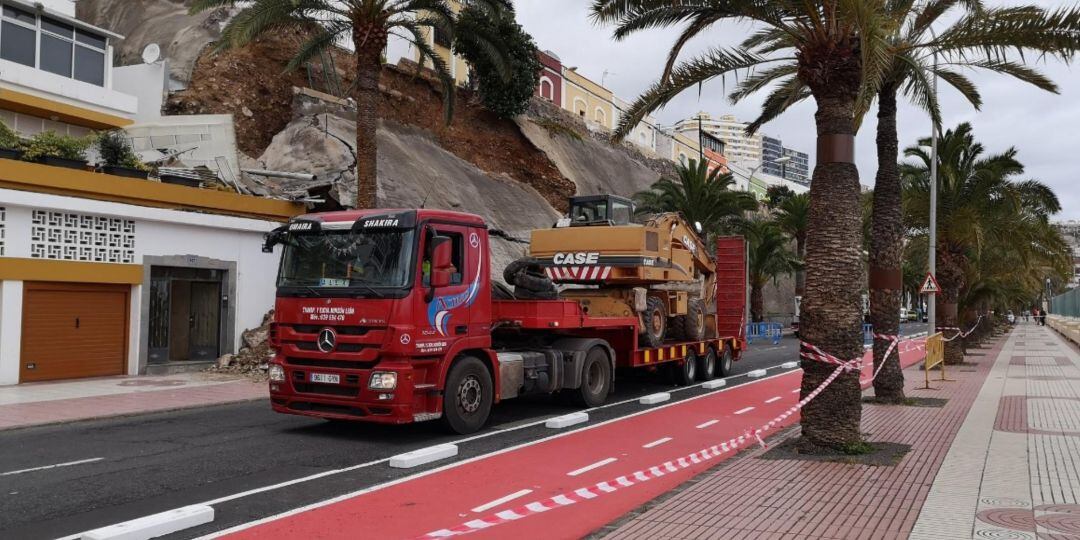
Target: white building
738, 146
102, 274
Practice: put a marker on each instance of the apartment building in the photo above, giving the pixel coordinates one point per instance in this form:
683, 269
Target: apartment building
103, 274
739, 146
795, 168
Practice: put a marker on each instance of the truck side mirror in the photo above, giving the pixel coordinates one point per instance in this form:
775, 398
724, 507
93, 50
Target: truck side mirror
273, 238
442, 266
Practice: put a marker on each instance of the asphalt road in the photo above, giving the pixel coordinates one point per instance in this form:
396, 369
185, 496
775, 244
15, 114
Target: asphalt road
135, 466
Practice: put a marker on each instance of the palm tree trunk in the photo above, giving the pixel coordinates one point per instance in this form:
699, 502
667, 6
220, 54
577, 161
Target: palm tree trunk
757, 303
800, 274
950, 276
832, 314
369, 40
886, 252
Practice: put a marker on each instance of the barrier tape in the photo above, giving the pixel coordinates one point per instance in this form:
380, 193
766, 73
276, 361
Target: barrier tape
598, 489
959, 333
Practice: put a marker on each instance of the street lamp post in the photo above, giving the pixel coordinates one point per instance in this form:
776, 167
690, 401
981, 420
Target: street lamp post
931, 301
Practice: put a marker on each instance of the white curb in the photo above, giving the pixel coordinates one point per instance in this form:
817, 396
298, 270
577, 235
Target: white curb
423, 455
154, 525
653, 399
566, 420
714, 384
789, 365
756, 374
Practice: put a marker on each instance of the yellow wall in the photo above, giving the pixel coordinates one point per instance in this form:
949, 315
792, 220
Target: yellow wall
15, 268
457, 66
684, 145
46, 108
582, 93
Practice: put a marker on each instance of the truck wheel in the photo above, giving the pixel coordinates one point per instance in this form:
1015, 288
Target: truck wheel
468, 396
691, 326
707, 365
654, 322
724, 367
685, 373
595, 379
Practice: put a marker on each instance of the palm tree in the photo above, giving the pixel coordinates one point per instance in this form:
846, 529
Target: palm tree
769, 256
836, 52
701, 196
984, 211
364, 24
792, 217
979, 38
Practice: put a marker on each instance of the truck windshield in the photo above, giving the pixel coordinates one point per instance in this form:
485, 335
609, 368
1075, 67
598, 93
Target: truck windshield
347, 259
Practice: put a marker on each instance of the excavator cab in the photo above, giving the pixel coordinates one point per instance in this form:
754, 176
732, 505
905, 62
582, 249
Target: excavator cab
607, 210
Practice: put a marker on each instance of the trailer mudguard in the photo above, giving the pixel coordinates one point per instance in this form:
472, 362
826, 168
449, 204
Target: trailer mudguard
574, 351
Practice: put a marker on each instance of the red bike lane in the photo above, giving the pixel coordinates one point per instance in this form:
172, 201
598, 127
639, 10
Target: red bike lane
525, 479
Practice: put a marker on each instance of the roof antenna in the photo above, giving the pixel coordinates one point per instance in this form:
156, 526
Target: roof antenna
424, 203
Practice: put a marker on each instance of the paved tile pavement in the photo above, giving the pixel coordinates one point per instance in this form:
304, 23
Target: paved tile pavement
755, 498
54, 402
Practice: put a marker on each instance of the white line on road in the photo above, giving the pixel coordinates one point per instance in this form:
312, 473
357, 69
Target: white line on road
706, 424
588, 468
68, 464
498, 502
796, 391
772, 399
657, 442
746, 410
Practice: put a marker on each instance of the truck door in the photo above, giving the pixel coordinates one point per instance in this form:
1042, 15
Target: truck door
449, 310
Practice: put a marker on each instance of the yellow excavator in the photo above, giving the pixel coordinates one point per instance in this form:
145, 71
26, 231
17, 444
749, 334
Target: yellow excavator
658, 270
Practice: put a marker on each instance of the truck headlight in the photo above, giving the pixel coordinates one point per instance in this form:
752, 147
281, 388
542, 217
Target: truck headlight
277, 373
383, 380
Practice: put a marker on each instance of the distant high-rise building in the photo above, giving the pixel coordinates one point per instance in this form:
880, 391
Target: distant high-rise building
738, 146
796, 168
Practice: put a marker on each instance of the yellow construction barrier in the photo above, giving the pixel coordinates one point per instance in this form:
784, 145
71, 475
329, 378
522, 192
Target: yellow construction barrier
935, 356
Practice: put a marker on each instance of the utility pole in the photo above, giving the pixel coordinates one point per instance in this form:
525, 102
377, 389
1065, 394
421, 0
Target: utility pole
931, 302
700, 140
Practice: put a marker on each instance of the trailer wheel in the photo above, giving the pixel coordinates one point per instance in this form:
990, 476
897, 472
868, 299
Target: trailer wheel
595, 379
724, 367
653, 323
707, 365
685, 373
468, 396
691, 326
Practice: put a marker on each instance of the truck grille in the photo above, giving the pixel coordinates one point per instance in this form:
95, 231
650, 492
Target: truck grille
327, 389
340, 330
333, 364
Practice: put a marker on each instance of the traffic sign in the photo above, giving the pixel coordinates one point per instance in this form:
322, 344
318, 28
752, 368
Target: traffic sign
930, 285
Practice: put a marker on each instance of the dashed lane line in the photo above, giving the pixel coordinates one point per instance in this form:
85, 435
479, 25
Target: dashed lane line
656, 443
53, 466
588, 468
501, 500
772, 399
706, 424
746, 410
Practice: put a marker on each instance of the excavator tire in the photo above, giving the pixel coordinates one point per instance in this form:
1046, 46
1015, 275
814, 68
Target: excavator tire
691, 326
529, 280
655, 323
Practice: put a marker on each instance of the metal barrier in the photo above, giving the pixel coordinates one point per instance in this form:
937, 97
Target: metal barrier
867, 334
935, 356
764, 330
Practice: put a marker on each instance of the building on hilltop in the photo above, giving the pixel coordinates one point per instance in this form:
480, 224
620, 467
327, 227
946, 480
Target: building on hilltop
739, 147
103, 274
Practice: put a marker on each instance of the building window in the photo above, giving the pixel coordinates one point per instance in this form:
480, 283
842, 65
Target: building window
64, 49
3, 217
442, 37
547, 90
599, 116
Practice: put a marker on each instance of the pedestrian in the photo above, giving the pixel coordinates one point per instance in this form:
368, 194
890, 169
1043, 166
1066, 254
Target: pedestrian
1042, 317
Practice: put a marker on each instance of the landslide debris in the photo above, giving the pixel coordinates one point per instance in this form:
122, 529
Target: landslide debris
254, 355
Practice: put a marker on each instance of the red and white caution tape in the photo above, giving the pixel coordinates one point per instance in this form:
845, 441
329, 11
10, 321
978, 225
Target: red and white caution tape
959, 333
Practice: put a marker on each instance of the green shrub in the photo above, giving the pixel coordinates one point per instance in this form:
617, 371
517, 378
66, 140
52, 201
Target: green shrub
51, 144
8, 137
116, 151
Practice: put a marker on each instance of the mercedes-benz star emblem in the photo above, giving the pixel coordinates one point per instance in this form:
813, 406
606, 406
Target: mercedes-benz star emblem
327, 340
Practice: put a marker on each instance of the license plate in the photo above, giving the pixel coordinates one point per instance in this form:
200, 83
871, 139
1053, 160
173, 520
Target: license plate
328, 378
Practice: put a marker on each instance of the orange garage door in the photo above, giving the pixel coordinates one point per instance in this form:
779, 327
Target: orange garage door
73, 330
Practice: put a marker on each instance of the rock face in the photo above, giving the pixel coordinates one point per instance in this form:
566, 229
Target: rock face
182, 37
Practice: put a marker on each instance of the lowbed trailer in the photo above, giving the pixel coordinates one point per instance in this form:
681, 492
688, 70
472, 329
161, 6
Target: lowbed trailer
389, 316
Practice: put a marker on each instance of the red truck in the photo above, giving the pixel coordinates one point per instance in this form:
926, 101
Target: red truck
389, 316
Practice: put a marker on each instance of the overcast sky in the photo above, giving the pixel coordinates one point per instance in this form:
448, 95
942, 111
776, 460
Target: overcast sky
1042, 126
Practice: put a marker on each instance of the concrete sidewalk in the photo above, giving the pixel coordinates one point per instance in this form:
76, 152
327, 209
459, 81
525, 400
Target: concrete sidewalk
56, 402
937, 490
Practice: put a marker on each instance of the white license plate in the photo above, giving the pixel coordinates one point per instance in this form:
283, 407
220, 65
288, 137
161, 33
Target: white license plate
327, 378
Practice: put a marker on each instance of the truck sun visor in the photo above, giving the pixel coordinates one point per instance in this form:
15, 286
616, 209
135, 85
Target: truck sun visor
396, 220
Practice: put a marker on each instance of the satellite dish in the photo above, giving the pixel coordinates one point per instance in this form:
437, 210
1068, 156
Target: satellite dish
151, 53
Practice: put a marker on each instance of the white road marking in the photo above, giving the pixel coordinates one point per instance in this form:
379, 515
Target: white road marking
501, 500
746, 410
588, 468
796, 391
657, 442
706, 424
772, 399
391, 483
67, 464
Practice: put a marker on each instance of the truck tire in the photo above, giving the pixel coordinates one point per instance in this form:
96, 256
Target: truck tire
724, 366
529, 280
468, 396
691, 326
687, 371
595, 379
654, 323
707, 365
